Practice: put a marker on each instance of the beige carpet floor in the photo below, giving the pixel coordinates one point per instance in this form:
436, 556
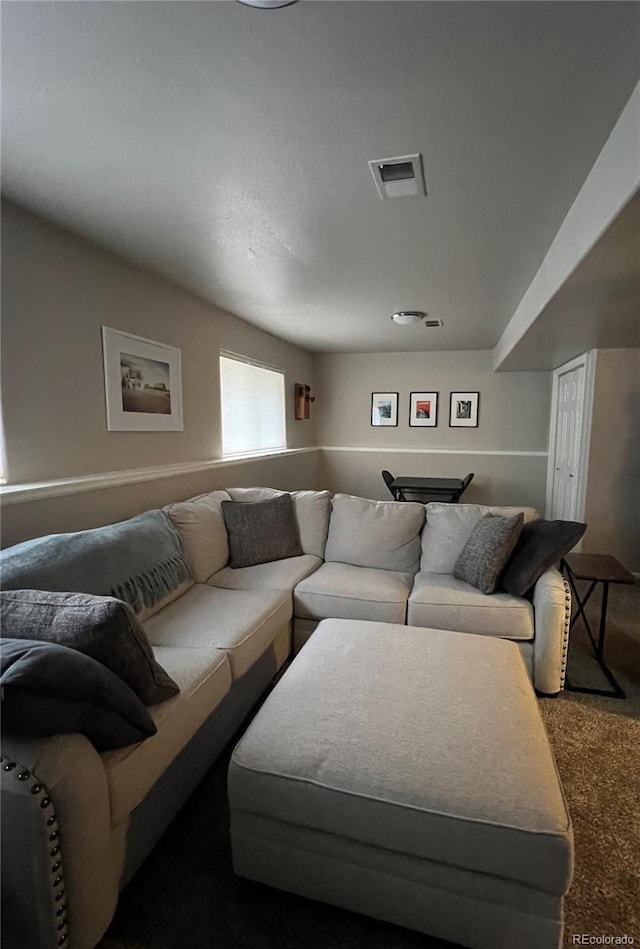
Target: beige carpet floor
597, 749
596, 742
187, 896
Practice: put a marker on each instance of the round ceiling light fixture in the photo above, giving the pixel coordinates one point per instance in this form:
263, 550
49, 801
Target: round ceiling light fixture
267, 4
408, 317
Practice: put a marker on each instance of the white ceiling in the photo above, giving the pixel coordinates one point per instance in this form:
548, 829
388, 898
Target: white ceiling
227, 147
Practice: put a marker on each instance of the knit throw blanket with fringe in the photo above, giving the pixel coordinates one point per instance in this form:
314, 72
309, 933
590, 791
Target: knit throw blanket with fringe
139, 561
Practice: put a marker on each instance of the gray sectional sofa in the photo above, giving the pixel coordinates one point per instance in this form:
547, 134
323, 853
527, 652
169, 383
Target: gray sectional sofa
78, 823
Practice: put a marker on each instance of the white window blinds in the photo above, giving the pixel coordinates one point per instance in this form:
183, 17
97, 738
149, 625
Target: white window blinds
252, 398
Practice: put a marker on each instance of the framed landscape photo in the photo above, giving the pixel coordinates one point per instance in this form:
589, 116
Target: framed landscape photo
463, 411
384, 408
143, 384
423, 409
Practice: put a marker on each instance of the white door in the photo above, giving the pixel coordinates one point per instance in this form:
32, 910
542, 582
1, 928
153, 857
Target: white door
564, 496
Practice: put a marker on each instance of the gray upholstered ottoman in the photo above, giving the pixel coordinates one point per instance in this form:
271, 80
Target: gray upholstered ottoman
405, 773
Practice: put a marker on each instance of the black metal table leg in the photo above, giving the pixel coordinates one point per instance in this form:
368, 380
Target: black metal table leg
616, 691
603, 618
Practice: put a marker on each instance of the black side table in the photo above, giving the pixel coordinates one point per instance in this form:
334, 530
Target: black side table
604, 569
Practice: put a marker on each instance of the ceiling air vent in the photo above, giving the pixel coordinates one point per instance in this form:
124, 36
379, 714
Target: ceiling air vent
398, 177
433, 322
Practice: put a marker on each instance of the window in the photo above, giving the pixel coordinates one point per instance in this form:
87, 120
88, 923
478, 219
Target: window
252, 397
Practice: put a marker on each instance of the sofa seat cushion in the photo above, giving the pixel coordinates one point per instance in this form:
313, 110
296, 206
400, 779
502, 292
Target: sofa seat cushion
444, 602
204, 677
347, 592
277, 575
242, 622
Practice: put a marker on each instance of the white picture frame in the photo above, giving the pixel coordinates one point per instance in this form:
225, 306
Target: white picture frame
143, 383
423, 409
463, 409
384, 409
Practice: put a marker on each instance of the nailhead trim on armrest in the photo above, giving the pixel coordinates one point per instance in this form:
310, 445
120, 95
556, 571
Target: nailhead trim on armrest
567, 626
52, 831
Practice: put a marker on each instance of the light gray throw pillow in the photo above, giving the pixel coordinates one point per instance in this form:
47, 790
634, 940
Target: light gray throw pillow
485, 554
102, 627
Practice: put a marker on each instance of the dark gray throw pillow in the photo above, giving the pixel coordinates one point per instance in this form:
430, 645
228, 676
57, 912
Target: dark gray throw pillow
540, 545
488, 549
51, 690
102, 627
261, 531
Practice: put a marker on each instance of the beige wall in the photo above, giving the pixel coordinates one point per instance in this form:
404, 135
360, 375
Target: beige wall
514, 417
104, 506
612, 508
57, 292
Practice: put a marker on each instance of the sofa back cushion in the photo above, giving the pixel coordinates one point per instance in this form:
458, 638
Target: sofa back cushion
312, 510
140, 561
449, 526
204, 534
253, 494
380, 534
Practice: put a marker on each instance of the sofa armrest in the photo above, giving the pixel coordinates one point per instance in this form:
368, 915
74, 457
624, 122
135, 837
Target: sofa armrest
61, 860
552, 617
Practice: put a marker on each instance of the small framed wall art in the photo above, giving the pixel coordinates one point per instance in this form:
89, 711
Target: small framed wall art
463, 410
384, 408
423, 409
143, 384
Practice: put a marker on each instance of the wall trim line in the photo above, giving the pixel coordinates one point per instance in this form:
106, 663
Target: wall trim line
434, 451
11, 494
41, 490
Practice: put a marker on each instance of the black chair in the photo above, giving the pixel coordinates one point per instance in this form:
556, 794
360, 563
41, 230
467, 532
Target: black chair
463, 487
388, 479
399, 494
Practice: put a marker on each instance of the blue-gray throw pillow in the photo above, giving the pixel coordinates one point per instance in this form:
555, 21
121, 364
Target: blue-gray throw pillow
540, 545
261, 531
103, 627
484, 556
48, 689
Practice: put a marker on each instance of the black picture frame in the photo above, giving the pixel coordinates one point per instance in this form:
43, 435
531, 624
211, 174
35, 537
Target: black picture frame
432, 420
381, 403
464, 409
